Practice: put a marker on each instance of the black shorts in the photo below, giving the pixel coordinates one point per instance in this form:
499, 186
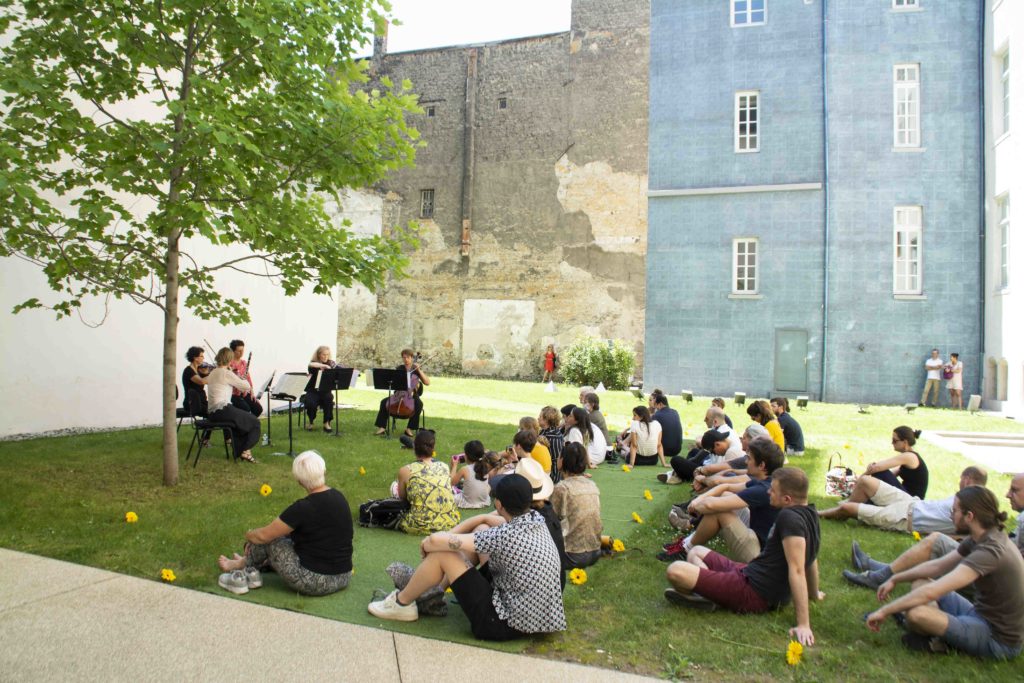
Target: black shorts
473, 592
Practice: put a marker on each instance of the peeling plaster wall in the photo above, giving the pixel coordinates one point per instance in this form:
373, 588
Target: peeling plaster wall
557, 202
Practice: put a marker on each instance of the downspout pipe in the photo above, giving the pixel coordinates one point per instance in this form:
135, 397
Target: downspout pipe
982, 16
825, 187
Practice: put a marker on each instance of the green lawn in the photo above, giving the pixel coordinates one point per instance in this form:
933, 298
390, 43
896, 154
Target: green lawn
66, 498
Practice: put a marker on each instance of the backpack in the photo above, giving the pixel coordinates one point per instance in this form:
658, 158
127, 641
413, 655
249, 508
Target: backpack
382, 513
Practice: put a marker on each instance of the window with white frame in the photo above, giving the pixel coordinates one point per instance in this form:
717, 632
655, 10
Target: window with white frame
1004, 241
748, 12
907, 105
907, 250
905, 4
747, 124
1004, 80
744, 265
426, 203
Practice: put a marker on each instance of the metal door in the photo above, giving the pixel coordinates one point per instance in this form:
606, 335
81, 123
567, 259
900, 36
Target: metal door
791, 360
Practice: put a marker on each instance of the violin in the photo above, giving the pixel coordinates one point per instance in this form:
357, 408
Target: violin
205, 369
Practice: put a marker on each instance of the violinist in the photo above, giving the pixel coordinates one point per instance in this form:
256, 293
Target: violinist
324, 396
245, 427
243, 400
417, 379
193, 381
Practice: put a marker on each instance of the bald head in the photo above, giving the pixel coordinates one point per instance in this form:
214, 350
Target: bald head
714, 417
973, 476
1016, 493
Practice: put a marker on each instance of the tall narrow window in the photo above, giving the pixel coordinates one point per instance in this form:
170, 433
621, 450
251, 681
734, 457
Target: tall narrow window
1004, 79
1004, 241
426, 203
907, 106
907, 250
747, 122
744, 265
748, 12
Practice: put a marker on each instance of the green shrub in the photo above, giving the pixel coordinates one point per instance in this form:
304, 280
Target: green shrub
589, 360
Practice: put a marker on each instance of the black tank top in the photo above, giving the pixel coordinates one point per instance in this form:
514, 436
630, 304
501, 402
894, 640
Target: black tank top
915, 481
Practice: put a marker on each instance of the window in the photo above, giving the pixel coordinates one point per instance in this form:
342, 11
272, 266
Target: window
431, 111
1004, 241
1004, 79
747, 137
905, 4
502, 103
907, 106
748, 12
907, 250
744, 265
426, 203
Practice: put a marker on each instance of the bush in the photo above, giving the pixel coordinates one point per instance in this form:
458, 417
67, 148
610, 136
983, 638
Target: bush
589, 360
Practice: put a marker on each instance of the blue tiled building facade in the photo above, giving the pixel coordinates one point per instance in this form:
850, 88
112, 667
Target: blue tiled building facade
815, 196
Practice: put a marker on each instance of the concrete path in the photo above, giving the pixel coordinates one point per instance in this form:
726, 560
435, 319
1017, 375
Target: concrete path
66, 622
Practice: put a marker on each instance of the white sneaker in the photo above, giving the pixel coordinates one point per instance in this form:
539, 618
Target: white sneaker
670, 477
234, 582
388, 608
253, 577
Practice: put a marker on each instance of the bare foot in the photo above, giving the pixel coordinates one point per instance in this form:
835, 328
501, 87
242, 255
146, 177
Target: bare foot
379, 432
237, 562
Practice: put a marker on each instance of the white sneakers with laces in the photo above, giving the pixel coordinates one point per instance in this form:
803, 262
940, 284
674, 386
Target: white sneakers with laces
388, 608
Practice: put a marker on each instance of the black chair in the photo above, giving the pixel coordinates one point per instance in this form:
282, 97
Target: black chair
179, 413
202, 423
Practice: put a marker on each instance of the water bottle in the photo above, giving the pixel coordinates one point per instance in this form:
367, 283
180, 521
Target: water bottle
266, 439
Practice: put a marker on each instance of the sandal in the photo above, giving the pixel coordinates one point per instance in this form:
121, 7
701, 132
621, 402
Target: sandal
409, 433
247, 456
380, 432
310, 427
327, 430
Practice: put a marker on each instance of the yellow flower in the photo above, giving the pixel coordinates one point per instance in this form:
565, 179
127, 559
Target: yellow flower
794, 652
637, 518
362, 470
618, 546
265, 490
625, 468
578, 576
168, 575
448, 589
917, 536
847, 446
131, 517
647, 494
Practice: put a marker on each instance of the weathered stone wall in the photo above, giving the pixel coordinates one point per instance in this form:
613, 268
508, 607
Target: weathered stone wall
552, 188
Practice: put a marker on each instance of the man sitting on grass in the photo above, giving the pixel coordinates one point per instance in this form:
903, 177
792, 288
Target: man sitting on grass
786, 569
937, 617
518, 592
712, 449
709, 476
893, 509
724, 507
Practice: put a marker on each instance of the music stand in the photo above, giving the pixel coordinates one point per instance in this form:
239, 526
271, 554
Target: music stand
392, 380
289, 387
337, 378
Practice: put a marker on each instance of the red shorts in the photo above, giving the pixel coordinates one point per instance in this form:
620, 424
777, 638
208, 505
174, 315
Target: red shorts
724, 584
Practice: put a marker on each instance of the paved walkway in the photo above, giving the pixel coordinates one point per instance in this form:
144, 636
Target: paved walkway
61, 621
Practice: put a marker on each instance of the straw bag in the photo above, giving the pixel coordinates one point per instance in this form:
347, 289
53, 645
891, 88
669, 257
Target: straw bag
839, 480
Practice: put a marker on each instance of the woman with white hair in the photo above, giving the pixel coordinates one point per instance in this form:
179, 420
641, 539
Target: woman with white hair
309, 545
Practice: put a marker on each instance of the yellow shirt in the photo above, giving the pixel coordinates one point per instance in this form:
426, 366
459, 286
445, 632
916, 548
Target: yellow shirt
775, 431
542, 455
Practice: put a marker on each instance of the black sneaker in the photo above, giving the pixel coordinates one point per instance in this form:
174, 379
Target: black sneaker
691, 600
666, 556
930, 644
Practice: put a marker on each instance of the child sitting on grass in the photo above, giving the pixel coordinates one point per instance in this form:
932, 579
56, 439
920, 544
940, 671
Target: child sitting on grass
471, 491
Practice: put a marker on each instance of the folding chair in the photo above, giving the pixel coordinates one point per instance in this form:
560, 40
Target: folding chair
205, 424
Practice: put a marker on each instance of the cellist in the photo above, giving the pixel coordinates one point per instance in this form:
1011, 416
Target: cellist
417, 380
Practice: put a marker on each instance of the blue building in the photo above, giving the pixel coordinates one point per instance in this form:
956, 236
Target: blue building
815, 195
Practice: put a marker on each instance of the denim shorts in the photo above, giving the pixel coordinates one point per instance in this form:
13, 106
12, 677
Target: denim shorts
969, 632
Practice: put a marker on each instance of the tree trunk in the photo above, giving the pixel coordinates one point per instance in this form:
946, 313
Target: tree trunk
170, 352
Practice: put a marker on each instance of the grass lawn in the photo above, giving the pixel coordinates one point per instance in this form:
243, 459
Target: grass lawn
66, 498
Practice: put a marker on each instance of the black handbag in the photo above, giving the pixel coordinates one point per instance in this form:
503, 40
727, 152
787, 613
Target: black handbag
382, 513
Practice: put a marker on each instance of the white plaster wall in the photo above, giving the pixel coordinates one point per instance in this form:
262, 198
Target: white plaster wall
1004, 174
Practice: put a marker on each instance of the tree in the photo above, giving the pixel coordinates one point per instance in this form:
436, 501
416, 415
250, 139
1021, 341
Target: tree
232, 119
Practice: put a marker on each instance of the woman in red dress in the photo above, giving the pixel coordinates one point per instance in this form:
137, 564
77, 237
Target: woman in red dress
550, 362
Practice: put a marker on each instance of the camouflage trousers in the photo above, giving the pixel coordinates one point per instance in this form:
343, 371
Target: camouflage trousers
280, 554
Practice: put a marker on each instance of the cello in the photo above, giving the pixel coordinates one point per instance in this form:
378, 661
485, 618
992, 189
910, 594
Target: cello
402, 403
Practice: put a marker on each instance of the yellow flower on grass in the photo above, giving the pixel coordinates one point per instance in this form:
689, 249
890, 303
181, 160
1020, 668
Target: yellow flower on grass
168, 575
625, 468
131, 517
647, 494
362, 470
794, 652
847, 446
578, 576
917, 536
265, 490
618, 546
637, 518
448, 589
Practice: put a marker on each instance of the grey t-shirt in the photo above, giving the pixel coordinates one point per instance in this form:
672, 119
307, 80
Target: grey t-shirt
933, 515
999, 590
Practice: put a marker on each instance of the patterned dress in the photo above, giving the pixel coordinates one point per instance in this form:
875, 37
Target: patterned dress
431, 500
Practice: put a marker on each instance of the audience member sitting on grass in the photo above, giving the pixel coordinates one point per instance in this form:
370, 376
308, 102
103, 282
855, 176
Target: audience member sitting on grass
791, 430
671, 427
719, 402
936, 616
577, 502
786, 569
711, 449
542, 487
540, 451
761, 413
309, 545
517, 594
643, 444
707, 476
580, 430
471, 492
592, 404
714, 418
426, 485
723, 508
893, 509
548, 420
906, 471
871, 573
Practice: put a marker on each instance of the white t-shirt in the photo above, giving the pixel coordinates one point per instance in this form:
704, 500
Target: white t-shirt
646, 437
218, 387
597, 447
934, 366
734, 438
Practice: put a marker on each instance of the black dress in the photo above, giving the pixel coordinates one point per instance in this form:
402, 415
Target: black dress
314, 398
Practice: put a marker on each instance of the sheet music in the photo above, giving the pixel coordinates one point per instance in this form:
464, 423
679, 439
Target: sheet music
355, 376
264, 387
291, 384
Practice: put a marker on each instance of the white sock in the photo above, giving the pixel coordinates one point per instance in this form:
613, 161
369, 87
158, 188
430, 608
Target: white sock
687, 544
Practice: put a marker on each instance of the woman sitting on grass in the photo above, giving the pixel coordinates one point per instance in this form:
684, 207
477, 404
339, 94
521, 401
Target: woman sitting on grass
426, 485
577, 502
906, 470
541, 452
472, 492
645, 439
309, 545
580, 430
762, 413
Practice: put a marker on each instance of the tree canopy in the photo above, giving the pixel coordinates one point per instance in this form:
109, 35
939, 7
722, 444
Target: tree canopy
131, 124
